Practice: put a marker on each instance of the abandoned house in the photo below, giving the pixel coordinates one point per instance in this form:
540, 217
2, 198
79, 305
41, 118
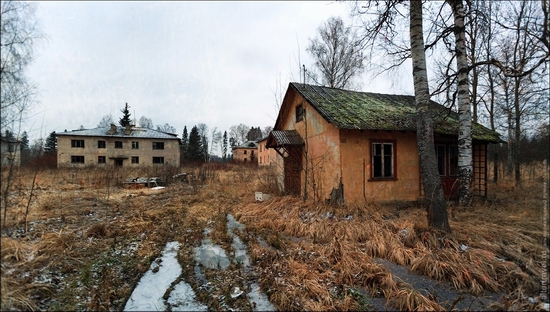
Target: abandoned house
247, 151
117, 146
363, 146
10, 151
266, 156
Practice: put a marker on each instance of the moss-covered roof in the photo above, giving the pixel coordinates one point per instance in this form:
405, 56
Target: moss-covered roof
373, 111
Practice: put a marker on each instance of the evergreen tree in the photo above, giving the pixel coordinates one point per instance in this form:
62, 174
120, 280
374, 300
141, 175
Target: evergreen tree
184, 142
125, 120
195, 148
224, 146
25, 148
51, 143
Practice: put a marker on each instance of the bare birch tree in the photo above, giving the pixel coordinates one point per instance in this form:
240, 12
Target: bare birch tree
337, 53
382, 27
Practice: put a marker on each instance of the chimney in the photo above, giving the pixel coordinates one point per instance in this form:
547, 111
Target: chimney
128, 129
112, 131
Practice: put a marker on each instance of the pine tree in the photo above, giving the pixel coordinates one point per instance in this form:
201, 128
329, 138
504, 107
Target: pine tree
195, 148
184, 142
224, 146
25, 150
125, 120
51, 143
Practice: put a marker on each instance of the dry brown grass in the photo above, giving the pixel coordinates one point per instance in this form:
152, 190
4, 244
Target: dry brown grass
307, 256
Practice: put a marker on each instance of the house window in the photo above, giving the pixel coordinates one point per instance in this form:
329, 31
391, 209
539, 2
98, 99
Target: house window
453, 160
383, 160
77, 159
299, 113
135, 160
11, 148
101, 159
158, 145
101, 144
135, 145
77, 143
158, 160
118, 144
245, 152
441, 163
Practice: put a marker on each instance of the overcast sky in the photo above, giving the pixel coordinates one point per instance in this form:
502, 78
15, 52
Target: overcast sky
180, 63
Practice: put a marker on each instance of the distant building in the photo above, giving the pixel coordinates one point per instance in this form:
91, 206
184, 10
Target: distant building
10, 152
117, 146
266, 157
246, 152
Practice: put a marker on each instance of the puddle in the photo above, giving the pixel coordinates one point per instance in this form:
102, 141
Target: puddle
163, 272
210, 255
445, 295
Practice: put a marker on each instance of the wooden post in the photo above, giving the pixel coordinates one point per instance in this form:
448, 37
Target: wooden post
495, 167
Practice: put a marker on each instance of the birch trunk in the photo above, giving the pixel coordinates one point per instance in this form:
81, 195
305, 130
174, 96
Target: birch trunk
465, 167
436, 204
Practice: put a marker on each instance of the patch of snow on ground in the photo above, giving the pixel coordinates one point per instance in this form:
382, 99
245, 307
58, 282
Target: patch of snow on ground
259, 300
182, 298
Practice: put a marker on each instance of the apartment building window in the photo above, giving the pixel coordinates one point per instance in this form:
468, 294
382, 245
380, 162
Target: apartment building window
135, 145
77, 159
101, 159
135, 160
101, 144
158, 160
383, 160
77, 143
118, 144
158, 145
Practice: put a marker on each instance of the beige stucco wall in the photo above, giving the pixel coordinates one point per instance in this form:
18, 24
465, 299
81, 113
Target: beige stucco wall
357, 171
145, 152
243, 154
323, 151
266, 157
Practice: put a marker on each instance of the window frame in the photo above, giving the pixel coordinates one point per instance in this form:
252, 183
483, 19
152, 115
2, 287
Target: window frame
134, 160
393, 176
101, 144
158, 145
161, 158
299, 112
77, 143
135, 144
75, 160
101, 160
119, 143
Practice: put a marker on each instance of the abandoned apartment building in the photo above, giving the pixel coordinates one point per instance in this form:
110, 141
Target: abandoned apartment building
117, 146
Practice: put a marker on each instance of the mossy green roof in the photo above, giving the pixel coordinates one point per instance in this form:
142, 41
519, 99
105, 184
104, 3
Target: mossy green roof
374, 111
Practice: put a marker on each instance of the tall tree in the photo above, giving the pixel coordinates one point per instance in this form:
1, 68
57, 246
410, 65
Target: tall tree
380, 31
19, 32
50, 146
254, 134
184, 142
224, 146
125, 120
105, 121
195, 149
431, 181
25, 148
145, 122
465, 162
238, 133
337, 53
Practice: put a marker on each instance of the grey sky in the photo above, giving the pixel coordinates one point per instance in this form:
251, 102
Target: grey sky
181, 63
